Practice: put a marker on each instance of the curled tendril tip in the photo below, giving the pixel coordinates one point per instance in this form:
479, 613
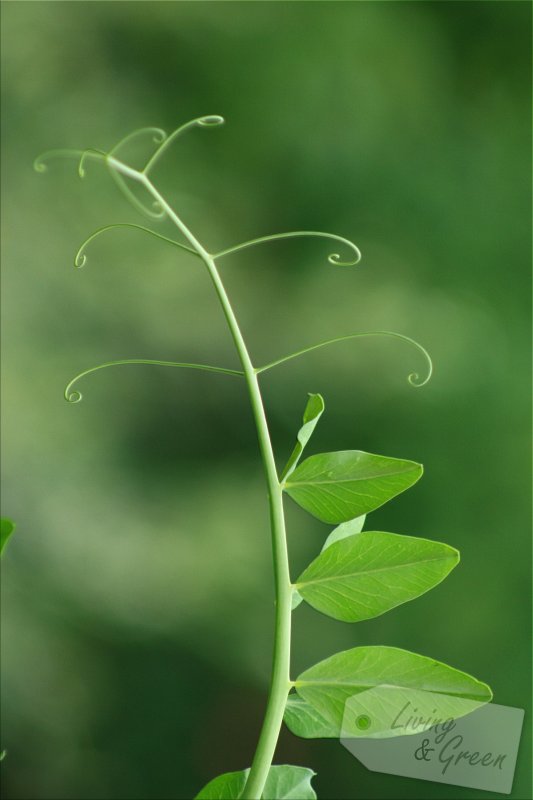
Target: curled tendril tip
90, 152
80, 259
334, 258
73, 397
413, 379
211, 119
39, 165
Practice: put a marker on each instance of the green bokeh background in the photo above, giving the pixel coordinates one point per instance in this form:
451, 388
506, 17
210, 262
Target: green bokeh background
137, 594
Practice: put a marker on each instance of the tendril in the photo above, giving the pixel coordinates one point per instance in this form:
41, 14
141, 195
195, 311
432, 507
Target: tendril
153, 212
333, 258
413, 378
81, 259
39, 164
75, 396
203, 122
159, 135
91, 152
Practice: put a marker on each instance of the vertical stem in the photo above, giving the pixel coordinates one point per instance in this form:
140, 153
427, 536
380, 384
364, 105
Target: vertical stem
280, 678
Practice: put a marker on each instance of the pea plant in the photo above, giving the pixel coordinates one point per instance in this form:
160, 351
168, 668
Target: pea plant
357, 575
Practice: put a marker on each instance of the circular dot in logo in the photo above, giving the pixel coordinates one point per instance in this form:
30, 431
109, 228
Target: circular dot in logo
363, 722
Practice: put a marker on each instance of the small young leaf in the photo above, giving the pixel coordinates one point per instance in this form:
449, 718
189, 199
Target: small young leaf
6, 529
336, 487
344, 530
305, 721
363, 576
313, 411
283, 783
331, 683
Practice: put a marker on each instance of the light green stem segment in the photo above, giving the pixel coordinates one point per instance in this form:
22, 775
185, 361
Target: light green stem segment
280, 679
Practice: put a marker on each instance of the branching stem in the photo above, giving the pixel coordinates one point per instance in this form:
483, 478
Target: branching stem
280, 679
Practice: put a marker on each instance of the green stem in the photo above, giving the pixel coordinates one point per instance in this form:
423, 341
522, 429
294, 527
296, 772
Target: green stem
280, 678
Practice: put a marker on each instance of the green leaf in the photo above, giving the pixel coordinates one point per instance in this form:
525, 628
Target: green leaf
305, 721
350, 528
363, 576
225, 787
292, 783
336, 487
399, 675
283, 783
6, 529
313, 411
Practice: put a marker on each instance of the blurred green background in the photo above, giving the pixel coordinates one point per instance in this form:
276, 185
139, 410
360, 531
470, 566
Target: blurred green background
137, 594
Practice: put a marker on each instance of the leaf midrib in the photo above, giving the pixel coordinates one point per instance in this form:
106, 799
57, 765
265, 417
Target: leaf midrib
369, 571
349, 480
348, 684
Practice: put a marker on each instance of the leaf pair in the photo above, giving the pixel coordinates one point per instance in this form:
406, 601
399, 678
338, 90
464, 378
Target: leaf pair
283, 783
357, 577
360, 575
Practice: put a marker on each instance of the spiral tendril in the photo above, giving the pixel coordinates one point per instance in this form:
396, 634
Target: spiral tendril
80, 258
209, 121
159, 135
39, 164
413, 378
91, 152
74, 396
334, 258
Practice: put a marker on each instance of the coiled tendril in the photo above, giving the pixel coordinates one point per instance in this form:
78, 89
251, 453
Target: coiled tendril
333, 258
157, 211
39, 164
413, 378
91, 152
74, 396
80, 258
158, 136
209, 121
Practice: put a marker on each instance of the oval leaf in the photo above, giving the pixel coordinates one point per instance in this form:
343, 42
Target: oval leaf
305, 721
361, 577
6, 529
350, 528
313, 411
284, 782
336, 487
334, 682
